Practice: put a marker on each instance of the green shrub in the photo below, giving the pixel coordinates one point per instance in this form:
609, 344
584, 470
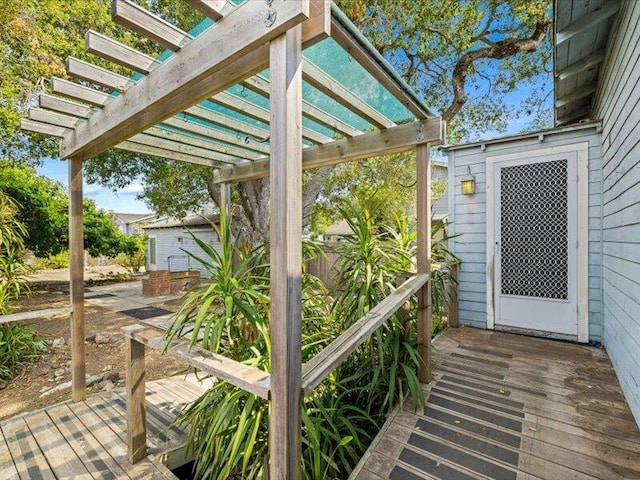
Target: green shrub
229, 314
134, 255
52, 262
18, 344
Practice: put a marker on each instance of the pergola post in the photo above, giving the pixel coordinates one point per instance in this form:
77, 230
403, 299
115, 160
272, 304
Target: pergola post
423, 212
286, 255
225, 197
76, 274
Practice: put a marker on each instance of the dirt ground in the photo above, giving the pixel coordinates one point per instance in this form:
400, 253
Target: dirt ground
105, 349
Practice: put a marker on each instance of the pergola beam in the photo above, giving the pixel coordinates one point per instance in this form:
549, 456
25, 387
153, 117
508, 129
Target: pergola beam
53, 118
133, 147
203, 113
607, 10
182, 137
188, 77
261, 86
119, 53
214, 9
79, 92
139, 20
250, 148
336, 91
382, 142
172, 145
43, 128
100, 76
61, 105
237, 104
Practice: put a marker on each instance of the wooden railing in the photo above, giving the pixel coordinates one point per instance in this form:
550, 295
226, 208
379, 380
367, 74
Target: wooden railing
248, 378
320, 366
36, 315
138, 337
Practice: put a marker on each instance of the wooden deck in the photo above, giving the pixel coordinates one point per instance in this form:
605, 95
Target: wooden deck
505, 406
86, 440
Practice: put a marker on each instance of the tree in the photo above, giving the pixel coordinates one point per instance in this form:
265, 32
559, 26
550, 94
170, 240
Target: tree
464, 58
42, 207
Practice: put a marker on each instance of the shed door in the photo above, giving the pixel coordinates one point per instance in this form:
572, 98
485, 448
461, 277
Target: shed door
536, 243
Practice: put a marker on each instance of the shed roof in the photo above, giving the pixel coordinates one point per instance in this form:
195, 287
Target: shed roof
205, 99
189, 221
582, 31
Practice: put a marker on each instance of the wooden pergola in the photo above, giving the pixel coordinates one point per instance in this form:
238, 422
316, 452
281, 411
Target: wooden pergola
207, 100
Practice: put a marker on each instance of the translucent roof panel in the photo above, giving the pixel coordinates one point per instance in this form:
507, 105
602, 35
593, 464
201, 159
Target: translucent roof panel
338, 64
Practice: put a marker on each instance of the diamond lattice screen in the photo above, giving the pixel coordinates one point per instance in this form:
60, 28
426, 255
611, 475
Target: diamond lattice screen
533, 230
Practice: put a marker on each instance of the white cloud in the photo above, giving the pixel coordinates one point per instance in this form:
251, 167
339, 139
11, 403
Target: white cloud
93, 190
133, 189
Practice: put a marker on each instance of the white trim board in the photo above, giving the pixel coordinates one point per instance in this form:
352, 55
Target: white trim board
582, 154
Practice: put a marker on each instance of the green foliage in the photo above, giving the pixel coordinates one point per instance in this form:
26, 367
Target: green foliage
52, 262
229, 314
43, 210
18, 344
12, 268
43, 207
134, 255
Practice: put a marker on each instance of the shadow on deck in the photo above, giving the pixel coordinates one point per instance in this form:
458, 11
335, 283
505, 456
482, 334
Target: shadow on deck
88, 439
505, 406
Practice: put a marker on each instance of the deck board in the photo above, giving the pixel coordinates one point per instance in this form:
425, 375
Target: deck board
504, 406
86, 440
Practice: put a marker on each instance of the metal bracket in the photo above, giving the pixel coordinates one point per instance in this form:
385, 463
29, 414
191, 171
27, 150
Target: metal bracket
420, 135
272, 14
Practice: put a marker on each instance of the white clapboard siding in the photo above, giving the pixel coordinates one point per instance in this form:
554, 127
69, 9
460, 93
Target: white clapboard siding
618, 105
468, 214
175, 242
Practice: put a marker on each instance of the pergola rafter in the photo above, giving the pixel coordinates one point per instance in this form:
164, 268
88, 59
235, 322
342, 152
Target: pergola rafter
209, 101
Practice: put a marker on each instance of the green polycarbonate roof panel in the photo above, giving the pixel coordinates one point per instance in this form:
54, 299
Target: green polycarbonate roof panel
334, 61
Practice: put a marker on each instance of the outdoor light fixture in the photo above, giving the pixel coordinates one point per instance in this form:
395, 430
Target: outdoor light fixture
468, 183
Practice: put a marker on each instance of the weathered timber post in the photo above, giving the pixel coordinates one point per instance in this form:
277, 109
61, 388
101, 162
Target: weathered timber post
285, 429
225, 197
136, 400
423, 211
76, 281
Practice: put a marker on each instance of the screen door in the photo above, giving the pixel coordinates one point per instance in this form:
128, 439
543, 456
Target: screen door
536, 243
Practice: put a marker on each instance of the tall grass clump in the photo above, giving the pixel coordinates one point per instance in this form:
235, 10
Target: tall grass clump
229, 314
18, 344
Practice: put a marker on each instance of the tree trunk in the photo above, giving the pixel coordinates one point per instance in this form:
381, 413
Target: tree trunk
252, 211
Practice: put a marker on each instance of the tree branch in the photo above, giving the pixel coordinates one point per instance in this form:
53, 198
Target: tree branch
502, 49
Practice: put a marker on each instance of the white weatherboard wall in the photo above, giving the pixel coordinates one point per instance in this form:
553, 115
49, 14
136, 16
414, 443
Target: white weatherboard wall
173, 240
469, 217
618, 105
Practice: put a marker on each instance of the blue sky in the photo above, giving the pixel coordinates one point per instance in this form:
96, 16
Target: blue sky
124, 201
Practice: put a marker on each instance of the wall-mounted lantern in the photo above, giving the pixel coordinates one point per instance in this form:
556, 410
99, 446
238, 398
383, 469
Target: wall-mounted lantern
468, 183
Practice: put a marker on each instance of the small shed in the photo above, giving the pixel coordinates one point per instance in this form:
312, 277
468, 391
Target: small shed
529, 235
171, 241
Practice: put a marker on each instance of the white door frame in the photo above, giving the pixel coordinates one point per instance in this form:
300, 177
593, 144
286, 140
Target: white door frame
582, 153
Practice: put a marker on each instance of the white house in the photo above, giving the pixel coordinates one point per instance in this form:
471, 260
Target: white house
170, 242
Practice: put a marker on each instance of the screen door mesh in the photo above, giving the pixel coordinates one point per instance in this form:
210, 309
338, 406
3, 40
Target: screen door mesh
533, 230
